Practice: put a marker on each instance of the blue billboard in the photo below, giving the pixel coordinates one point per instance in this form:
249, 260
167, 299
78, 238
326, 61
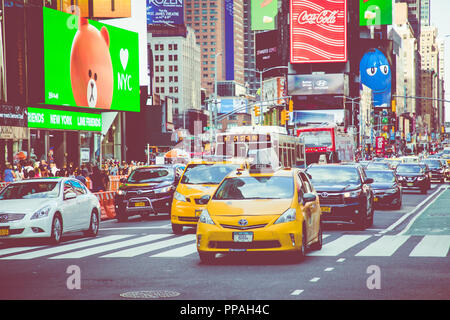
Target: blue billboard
229, 40
165, 11
228, 105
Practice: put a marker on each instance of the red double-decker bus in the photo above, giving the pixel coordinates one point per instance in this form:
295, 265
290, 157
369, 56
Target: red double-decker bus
330, 141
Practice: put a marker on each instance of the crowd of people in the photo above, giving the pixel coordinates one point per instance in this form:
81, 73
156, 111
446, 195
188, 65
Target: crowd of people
99, 176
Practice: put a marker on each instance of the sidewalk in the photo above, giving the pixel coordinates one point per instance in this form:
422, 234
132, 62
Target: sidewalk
435, 220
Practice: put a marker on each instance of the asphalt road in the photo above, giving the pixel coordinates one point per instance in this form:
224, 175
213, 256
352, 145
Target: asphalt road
143, 259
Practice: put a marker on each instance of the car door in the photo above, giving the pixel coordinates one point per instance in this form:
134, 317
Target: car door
69, 208
314, 207
83, 215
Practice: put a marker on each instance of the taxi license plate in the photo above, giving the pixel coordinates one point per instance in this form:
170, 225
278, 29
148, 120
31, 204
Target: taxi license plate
198, 212
410, 184
243, 236
4, 231
325, 209
139, 204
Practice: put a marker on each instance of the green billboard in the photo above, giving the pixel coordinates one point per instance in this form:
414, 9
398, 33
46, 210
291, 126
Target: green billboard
375, 12
89, 64
263, 13
64, 120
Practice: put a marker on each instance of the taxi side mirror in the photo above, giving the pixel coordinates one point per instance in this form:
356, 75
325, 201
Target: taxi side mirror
309, 197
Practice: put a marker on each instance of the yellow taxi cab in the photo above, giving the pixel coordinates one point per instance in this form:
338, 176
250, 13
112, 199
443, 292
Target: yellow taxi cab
199, 180
265, 210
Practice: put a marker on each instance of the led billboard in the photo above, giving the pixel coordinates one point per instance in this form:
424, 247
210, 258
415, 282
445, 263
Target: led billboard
89, 64
375, 12
318, 31
263, 13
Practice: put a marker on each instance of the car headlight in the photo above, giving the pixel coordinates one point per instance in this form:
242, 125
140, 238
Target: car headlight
179, 196
121, 192
163, 190
400, 178
288, 216
205, 217
391, 191
41, 213
420, 178
352, 194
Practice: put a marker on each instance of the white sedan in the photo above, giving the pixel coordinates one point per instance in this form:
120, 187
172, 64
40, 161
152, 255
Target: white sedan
47, 208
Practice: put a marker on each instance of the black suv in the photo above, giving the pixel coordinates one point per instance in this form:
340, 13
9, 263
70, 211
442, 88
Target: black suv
437, 169
147, 190
413, 176
344, 192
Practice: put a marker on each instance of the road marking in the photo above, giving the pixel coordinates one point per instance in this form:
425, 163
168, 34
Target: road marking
314, 279
135, 251
109, 247
178, 252
383, 247
67, 247
17, 249
340, 245
296, 292
432, 246
329, 269
406, 216
340, 260
135, 228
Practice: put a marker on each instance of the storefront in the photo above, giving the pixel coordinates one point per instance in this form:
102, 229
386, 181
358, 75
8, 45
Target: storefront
13, 133
64, 136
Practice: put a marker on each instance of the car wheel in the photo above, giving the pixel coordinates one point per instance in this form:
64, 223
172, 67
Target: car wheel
177, 228
318, 244
300, 254
206, 257
94, 226
362, 220
56, 234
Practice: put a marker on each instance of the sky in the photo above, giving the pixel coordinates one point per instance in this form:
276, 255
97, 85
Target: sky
440, 10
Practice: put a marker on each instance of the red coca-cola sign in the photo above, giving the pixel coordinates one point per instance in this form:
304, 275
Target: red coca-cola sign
318, 31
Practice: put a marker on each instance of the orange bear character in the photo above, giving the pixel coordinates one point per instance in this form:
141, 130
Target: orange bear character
91, 70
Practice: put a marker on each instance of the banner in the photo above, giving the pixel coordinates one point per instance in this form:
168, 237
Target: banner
90, 64
14, 116
263, 13
375, 12
316, 84
318, 31
64, 120
267, 50
164, 11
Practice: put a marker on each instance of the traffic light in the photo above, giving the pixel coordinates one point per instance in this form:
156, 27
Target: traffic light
394, 106
291, 105
257, 111
284, 116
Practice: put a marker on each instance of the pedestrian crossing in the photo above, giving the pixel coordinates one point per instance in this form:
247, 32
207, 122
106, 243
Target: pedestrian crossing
168, 245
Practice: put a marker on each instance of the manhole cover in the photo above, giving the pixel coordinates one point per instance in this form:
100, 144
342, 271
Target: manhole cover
150, 294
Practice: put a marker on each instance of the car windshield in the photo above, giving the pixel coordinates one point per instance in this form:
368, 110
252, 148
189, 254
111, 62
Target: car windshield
433, 164
256, 188
151, 175
30, 190
409, 169
206, 173
377, 165
332, 175
381, 176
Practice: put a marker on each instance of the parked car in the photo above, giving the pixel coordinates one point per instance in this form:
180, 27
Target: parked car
147, 190
270, 211
344, 193
386, 188
413, 176
48, 208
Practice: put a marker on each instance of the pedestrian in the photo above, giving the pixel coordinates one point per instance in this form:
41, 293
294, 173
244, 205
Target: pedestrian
19, 173
9, 174
99, 182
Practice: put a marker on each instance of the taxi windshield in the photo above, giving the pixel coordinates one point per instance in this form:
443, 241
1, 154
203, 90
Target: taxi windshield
206, 173
30, 190
255, 188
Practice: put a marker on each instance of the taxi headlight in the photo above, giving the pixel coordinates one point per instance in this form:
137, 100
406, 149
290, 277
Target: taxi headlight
288, 216
205, 217
179, 196
41, 213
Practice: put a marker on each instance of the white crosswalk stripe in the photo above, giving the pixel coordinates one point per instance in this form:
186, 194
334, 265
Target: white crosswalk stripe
135, 251
109, 247
383, 247
432, 246
168, 245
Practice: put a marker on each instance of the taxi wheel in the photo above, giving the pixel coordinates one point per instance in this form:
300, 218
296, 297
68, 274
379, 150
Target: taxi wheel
177, 228
300, 254
207, 257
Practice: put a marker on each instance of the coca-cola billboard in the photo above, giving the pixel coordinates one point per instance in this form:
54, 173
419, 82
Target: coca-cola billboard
318, 31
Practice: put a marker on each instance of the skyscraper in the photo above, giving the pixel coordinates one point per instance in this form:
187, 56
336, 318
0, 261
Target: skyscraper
425, 12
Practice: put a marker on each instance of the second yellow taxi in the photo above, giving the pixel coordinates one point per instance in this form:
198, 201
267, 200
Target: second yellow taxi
261, 210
